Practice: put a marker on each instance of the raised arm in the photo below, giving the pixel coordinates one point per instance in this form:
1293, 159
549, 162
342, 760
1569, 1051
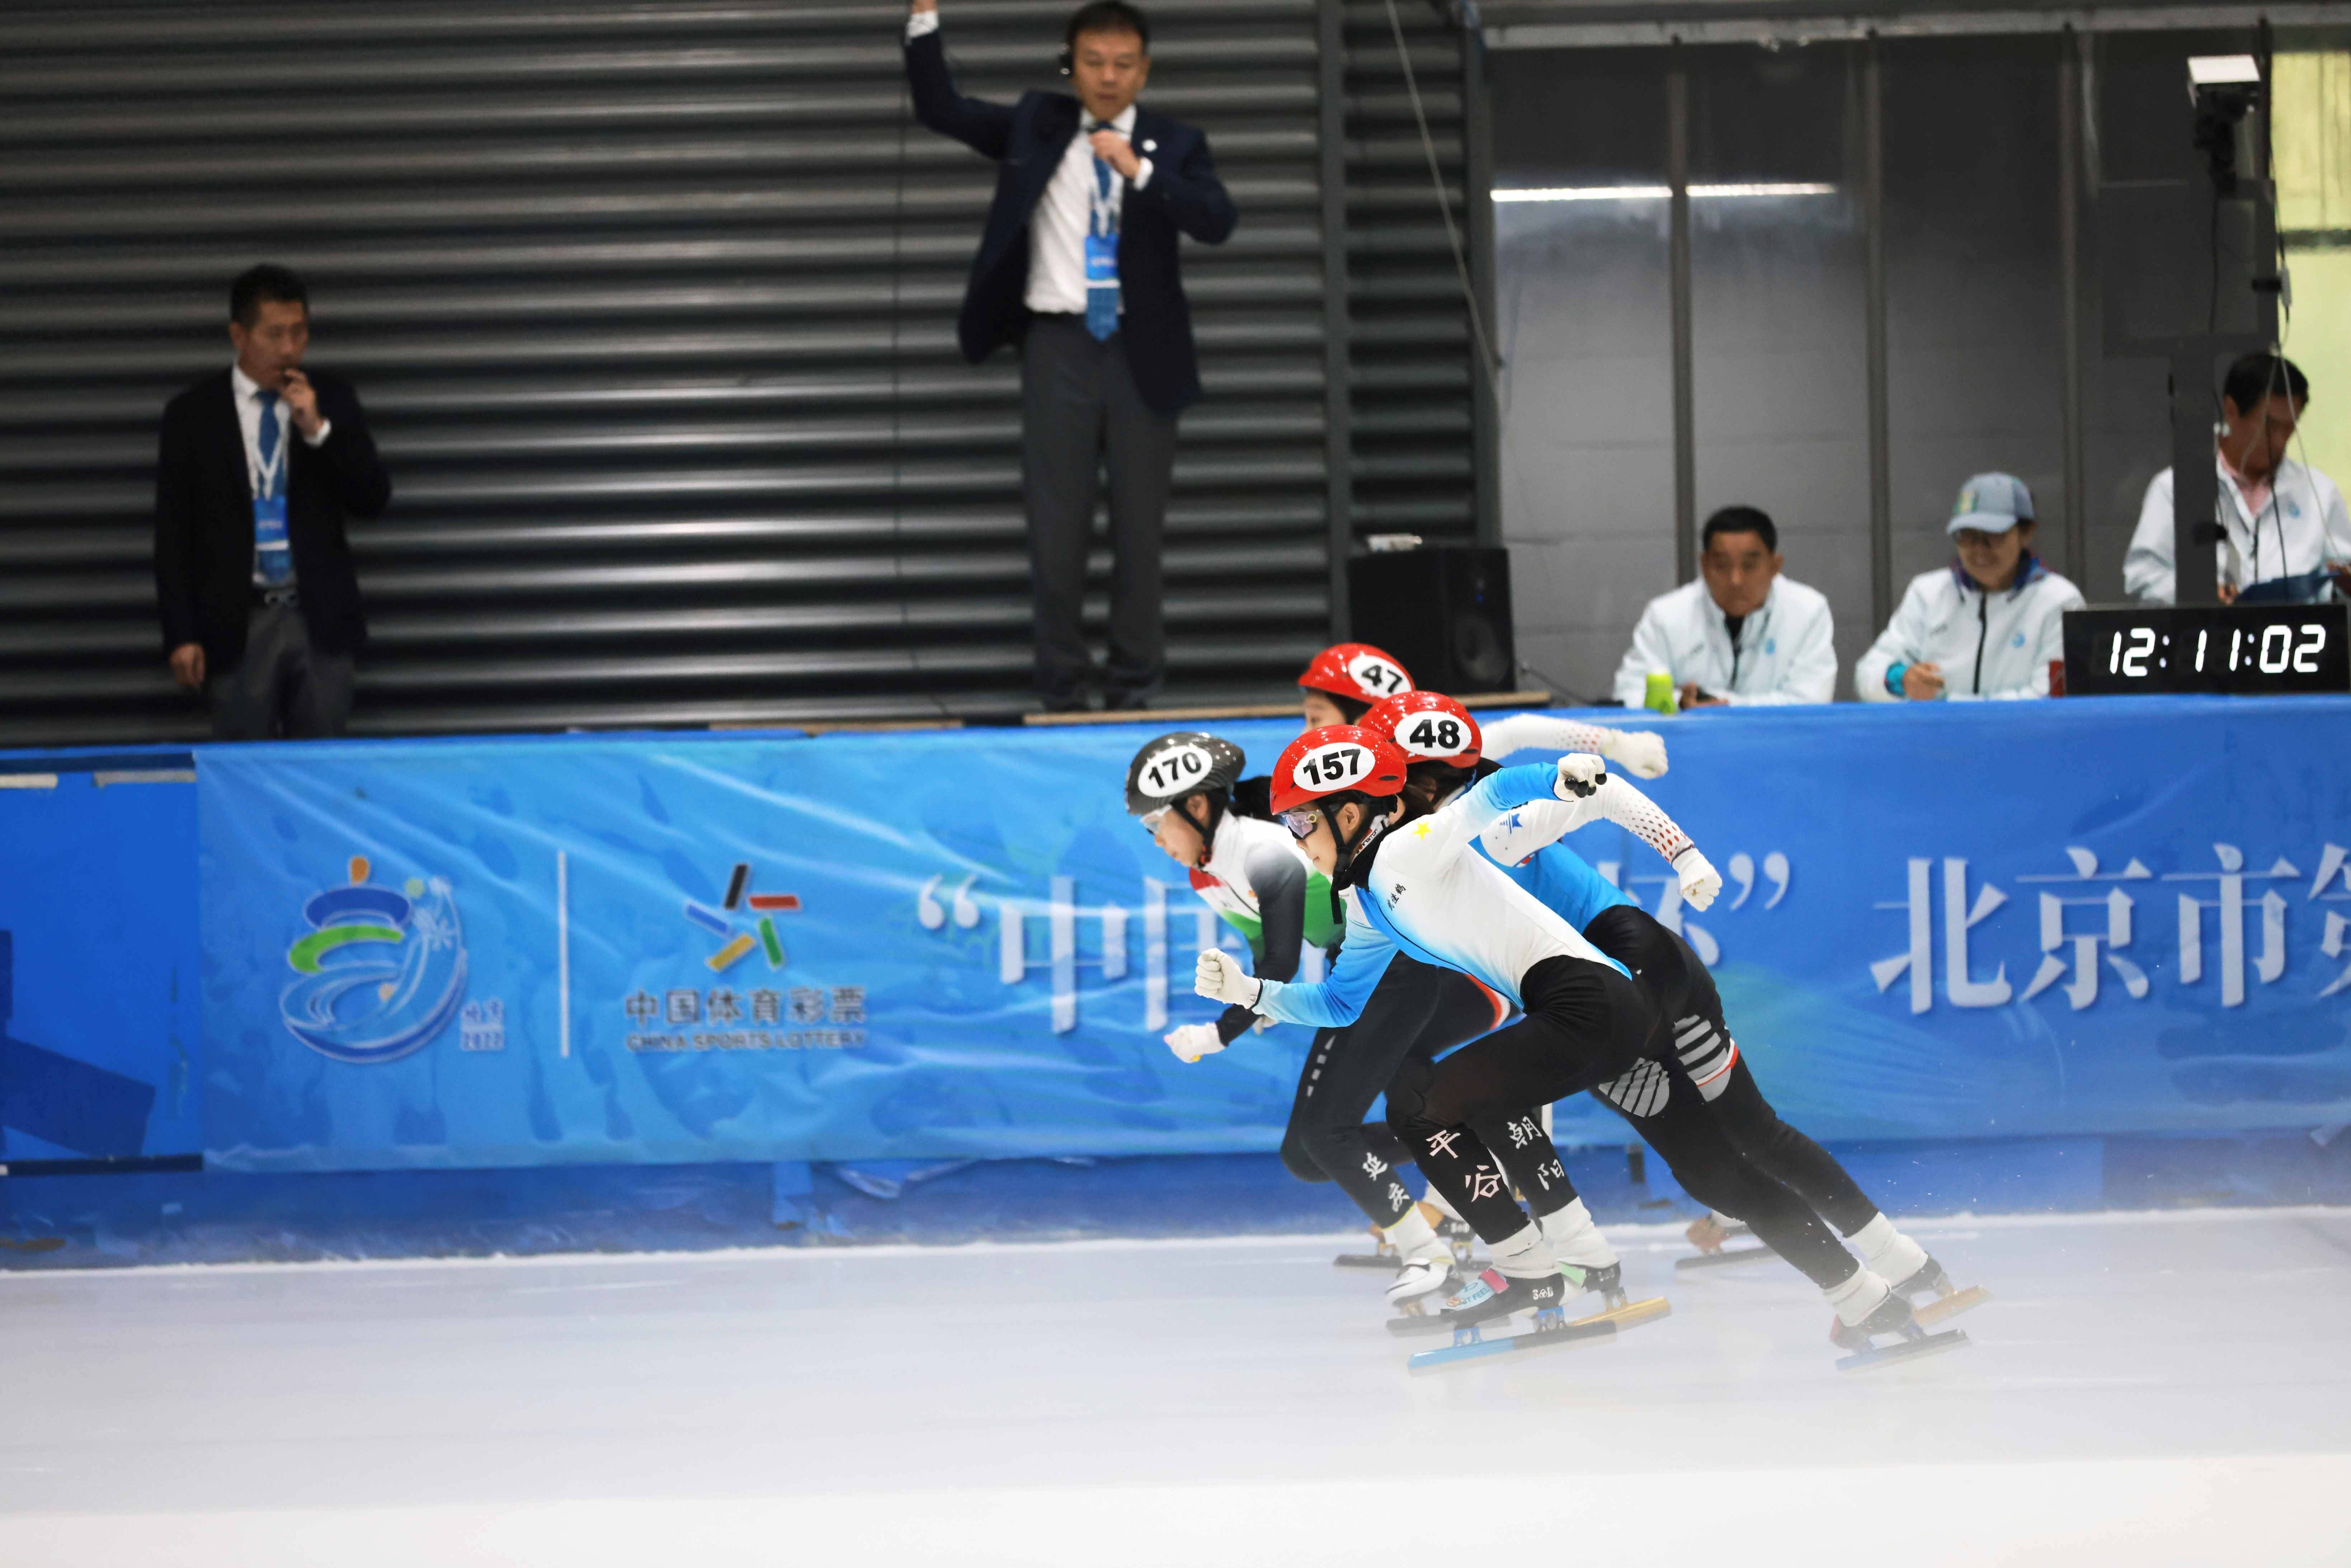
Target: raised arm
1513, 838
985, 128
1642, 752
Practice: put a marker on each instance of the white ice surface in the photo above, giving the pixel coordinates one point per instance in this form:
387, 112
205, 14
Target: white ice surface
2146, 1390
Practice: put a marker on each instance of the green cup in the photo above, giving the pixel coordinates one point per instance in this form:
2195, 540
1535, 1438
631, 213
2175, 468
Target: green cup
1659, 696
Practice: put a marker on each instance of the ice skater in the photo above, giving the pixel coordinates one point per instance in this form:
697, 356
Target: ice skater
1422, 886
1255, 876
1684, 1102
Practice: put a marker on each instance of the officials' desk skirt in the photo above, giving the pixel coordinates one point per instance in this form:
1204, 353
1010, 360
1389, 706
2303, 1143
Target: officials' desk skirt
1081, 418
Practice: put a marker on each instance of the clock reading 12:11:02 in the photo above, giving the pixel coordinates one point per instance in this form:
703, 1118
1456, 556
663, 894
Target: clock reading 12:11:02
2279, 648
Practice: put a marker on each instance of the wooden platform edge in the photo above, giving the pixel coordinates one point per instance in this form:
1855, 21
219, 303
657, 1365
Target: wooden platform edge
1254, 710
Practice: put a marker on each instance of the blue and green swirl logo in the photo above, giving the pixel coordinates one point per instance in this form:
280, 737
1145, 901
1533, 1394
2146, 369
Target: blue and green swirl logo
381, 970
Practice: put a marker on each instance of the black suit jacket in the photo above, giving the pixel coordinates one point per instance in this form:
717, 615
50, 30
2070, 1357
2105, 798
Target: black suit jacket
204, 519
1027, 141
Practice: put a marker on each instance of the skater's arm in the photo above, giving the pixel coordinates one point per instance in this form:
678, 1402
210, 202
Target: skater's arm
1326, 1004
1279, 879
1642, 752
1510, 840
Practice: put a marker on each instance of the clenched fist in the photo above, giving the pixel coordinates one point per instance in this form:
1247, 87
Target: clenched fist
1220, 977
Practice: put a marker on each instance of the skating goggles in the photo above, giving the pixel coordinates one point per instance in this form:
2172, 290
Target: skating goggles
1151, 820
1301, 820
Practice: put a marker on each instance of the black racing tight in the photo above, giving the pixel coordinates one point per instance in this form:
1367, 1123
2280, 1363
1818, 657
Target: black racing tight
1689, 1010
1417, 1011
1584, 1024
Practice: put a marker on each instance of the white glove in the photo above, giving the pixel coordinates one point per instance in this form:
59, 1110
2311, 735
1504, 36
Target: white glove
1642, 751
1580, 775
1700, 880
1192, 1041
1220, 977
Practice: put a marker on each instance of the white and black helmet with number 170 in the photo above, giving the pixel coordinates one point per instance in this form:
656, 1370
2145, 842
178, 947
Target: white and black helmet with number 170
1179, 764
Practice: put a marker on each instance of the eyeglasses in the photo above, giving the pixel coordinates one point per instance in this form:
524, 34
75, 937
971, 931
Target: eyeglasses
1301, 820
1151, 820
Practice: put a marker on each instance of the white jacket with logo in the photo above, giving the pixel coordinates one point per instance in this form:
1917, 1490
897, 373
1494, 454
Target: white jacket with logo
1784, 654
2301, 528
1987, 645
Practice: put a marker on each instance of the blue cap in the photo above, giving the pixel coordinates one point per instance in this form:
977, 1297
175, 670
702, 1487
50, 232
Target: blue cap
1991, 504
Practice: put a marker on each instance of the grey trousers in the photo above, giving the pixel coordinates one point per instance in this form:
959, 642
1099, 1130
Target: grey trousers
282, 686
1081, 418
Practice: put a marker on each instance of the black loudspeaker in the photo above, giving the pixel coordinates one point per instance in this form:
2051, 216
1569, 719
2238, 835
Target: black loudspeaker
1444, 613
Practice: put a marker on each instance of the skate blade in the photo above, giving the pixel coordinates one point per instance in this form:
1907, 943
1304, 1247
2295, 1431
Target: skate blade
1728, 1255
34, 1244
1951, 1306
1365, 1260
1632, 1314
1908, 1350
1493, 1343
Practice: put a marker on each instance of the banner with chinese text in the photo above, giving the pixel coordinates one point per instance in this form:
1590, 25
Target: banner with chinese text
1946, 920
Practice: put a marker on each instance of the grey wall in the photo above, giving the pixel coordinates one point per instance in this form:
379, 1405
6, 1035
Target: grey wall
1974, 296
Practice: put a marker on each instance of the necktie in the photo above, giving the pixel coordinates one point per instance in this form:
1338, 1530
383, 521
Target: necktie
272, 558
1101, 249
268, 444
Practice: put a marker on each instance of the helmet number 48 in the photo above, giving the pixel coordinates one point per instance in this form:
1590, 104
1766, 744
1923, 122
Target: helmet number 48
1435, 737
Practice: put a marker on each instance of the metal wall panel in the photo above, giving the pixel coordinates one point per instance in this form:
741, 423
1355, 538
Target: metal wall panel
651, 310
1409, 335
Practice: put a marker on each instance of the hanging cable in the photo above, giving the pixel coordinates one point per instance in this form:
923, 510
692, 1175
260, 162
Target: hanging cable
1488, 359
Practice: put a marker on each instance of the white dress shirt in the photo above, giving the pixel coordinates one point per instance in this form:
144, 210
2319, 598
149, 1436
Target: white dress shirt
248, 421
2299, 527
1056, 229
1784, 654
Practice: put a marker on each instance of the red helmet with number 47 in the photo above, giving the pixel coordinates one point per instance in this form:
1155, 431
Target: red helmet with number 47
1334, 760
1356, 671
1427, 727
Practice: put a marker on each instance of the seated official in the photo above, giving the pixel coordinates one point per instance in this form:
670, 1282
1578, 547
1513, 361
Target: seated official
1989, 624
2281, 518
1741, 633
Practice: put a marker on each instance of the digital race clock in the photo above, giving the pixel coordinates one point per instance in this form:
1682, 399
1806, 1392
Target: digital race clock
2208, 648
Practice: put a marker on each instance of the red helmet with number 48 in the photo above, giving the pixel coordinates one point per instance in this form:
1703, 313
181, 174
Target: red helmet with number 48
1427, 727
1356, 671
1334, 760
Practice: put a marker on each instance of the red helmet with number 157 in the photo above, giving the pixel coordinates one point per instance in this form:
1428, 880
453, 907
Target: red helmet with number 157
1427, 727
1336, 759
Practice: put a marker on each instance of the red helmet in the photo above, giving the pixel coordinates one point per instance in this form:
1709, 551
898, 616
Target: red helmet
1332, 760
1357, 672
1427, 727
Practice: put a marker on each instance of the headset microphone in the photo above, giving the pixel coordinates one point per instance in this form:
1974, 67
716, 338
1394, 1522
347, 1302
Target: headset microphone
1063, 59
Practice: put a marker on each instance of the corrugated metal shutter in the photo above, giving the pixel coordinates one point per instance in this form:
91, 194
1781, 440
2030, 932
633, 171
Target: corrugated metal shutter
672, 440
1410, 344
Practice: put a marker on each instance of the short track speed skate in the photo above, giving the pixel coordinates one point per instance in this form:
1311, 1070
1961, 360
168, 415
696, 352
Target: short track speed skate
1382, 1256
1893, 1317
1949, 1299
1708, 1234
1480, 1317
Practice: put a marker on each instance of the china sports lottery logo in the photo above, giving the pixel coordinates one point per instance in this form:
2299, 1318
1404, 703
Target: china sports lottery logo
383, 969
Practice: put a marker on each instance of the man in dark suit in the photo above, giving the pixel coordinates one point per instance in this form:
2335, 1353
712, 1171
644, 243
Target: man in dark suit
1077, 265
257, 469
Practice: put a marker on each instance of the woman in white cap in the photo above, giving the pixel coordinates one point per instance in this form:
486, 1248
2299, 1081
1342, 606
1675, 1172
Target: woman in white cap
1989, 624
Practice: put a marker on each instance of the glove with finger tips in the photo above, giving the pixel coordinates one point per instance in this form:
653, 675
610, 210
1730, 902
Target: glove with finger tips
1220, 977
1642, 751
1192, 1041
1701, 882
1580, 774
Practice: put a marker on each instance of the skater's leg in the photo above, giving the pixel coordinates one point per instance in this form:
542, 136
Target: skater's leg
1674, 1119
1323, 1141
1584, 1022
